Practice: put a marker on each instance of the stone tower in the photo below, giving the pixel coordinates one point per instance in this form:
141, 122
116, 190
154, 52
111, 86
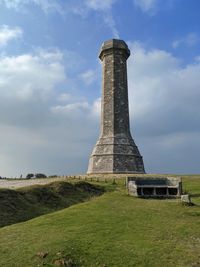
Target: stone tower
115, 151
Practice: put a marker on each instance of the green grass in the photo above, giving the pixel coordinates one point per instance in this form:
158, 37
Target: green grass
29, 202
111, 230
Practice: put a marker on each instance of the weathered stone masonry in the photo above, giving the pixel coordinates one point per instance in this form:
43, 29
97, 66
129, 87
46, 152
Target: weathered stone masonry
115, 151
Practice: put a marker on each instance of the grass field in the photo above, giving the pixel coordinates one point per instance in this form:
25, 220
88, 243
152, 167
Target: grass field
111, 230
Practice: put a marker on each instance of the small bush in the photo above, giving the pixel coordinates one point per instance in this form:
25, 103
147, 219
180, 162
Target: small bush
29, 175
53, 176
40, 175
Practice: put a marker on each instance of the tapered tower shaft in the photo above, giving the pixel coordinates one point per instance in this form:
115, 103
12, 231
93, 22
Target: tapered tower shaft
115, 115
115, 151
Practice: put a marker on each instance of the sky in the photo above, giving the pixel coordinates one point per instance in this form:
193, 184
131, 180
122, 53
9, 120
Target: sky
50, 82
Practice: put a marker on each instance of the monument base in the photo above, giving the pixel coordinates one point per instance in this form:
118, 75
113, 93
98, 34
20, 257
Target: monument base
115, 155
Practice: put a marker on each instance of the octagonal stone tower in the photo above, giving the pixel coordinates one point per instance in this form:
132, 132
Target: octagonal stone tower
115, 151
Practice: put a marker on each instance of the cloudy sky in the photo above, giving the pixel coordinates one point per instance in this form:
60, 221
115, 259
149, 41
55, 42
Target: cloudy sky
50, 82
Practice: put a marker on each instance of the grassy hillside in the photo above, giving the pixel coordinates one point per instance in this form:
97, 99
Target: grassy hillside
111, 230
26, 203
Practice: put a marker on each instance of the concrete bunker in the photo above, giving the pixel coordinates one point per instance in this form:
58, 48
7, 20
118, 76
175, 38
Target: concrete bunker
164, 187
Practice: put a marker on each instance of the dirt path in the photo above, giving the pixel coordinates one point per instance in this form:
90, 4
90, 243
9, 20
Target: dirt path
12, 183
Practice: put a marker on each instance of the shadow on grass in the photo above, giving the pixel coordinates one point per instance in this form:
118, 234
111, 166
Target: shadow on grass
26, 203
195, 195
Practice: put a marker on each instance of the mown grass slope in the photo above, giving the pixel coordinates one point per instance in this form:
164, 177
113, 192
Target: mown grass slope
112, 230
26, 203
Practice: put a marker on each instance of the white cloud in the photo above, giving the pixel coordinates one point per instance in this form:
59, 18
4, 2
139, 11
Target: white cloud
71, 107
197, 58
104, 7
49, 6
54, 5
88, 76
79, 109
34, 127
99, 4
13, 3
64, 97
96, 107
80, 7
25, 75
164, 109
9, 33
110, 22
149, 6
46, 5
190, 40
147, 69
84, 7
158, 81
